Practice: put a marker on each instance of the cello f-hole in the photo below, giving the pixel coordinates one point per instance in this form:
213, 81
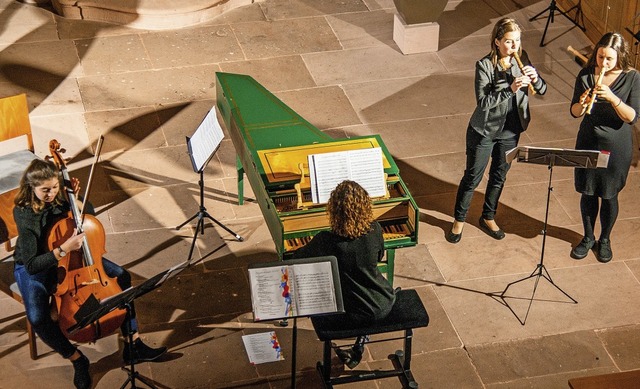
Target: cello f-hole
103, 283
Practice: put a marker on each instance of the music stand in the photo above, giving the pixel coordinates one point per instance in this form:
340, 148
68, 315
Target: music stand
92, 310
551, 157
553, 8
201, 148
262, 285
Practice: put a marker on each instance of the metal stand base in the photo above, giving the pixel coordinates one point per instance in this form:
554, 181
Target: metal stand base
540, 270
553, 8
202, 214
131, 370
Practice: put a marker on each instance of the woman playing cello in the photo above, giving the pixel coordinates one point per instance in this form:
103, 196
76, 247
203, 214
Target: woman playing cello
38, 206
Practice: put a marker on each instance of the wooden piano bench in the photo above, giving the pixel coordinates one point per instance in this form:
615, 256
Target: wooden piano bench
408, 313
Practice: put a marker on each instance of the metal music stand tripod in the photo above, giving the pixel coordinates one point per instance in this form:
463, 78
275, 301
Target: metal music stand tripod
553, 8
92, 310
201, 215
550, 157
201, 147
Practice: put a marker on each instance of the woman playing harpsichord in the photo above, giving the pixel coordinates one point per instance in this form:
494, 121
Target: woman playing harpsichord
356, 241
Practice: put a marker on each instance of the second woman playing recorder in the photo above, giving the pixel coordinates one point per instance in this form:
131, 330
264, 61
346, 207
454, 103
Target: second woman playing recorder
607, 97
502, 113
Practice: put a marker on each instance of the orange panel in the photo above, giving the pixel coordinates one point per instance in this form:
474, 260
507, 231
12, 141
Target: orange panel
14, 119
8, 228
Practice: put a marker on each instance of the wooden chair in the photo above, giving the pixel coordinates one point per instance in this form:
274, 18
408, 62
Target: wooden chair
11, 288
14, 125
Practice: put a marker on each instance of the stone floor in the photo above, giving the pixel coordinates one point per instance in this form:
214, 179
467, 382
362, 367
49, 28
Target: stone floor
336, 64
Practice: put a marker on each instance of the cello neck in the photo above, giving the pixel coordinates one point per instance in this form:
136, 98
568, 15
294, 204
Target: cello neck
54, 148
77, 216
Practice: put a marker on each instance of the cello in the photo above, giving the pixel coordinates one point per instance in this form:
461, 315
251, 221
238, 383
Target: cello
81, 275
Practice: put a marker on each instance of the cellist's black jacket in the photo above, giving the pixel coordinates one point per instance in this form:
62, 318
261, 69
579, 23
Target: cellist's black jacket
32, 249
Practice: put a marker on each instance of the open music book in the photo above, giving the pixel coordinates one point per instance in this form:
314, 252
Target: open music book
300, 287
363, 166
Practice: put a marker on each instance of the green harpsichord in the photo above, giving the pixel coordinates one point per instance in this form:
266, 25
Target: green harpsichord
272, 144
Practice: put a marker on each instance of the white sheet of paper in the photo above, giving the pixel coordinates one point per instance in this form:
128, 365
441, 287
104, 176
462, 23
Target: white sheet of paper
363, 166
263, 347
268, 294
603, 159
315, 292
205, 140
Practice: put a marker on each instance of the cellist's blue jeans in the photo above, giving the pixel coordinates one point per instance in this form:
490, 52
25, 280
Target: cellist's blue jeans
37, 289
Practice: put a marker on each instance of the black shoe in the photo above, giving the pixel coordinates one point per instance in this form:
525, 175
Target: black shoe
494, 234
453, 238
349, 357
604, 253
582, 249
142, 352
81, 376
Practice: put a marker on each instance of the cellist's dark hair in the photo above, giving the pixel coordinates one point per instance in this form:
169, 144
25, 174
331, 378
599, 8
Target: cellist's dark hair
36, 173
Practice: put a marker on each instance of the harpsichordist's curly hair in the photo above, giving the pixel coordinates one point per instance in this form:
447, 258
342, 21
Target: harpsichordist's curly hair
350, 210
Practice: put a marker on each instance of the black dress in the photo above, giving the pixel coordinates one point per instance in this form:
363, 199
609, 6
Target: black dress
603, 130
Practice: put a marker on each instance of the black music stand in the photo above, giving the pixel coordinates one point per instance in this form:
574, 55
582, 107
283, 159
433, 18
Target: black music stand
201, 148
553, 8
551, 157
258, 284
92, 310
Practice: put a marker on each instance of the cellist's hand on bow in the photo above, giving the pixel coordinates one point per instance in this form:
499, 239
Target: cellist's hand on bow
75, 185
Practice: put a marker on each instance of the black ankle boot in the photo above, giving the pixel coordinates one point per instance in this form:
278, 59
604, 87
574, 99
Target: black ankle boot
142, 352
81, 376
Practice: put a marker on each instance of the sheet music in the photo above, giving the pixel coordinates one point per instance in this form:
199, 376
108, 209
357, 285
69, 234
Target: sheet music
205, 141
270, 293
292, 290
314, 287
363, 166
263, 347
